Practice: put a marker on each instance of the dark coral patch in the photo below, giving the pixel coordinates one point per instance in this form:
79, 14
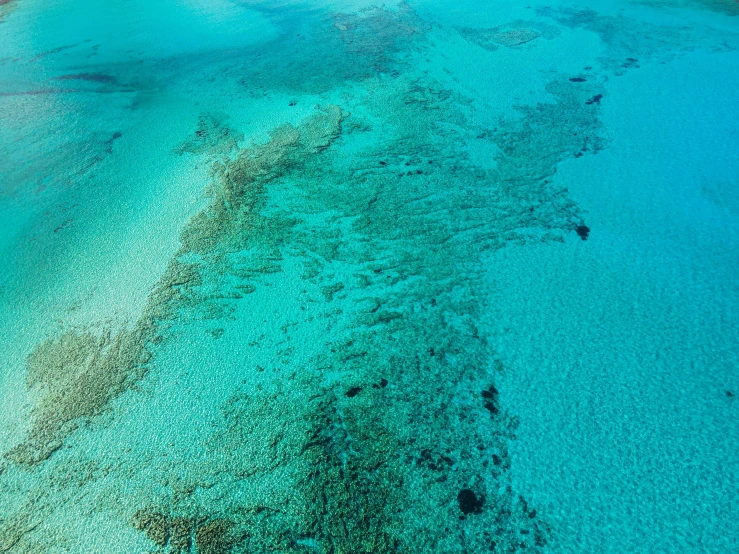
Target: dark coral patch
630, 62
491, 392
381, 385
490, 395
583, 231
469, 503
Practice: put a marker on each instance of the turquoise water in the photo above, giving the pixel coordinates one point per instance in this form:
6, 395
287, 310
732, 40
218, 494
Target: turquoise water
344, 277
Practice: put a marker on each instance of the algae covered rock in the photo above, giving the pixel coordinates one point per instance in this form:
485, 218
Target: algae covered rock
154, 524
218, 536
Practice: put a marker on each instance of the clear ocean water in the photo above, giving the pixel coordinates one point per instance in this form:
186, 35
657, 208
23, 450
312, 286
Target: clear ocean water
340, 277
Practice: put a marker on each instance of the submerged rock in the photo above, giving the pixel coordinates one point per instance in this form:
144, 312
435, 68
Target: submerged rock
583, 231
469, 503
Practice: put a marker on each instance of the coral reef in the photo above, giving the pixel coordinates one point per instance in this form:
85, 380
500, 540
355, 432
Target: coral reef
376, 34
180, 534
510, 35
383, 441
12, 529
216, 537
155, 525
80, 372
628, 41
345, 48
389, 422
212, 138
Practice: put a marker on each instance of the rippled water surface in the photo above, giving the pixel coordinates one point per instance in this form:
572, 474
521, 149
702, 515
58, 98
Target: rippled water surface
339, 277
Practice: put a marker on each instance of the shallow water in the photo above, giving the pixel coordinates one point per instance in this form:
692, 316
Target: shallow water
339, 277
